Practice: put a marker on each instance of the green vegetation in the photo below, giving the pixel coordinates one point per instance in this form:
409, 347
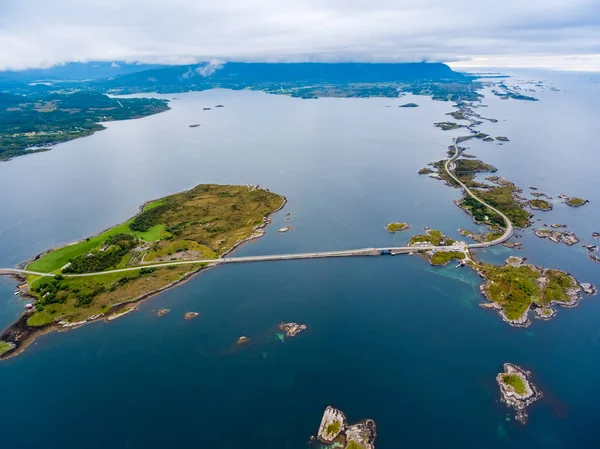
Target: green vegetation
576, 202
409, 105
448, 126
111, 253
56, 259
515, 382
514, 288
457, 115
425, 171
6, 346
491, 236
40, 120
433, 236
443, 257
334, 428
540, 204
559, 283
198, 224
395, 227
353, 445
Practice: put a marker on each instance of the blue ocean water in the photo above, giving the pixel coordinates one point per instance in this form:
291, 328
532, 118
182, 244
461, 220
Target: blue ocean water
389, 338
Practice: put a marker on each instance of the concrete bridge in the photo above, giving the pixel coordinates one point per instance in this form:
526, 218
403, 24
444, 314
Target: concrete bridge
449, 166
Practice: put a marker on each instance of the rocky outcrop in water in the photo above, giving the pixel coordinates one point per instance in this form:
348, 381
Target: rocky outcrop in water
292, 329
335, 431
516, 389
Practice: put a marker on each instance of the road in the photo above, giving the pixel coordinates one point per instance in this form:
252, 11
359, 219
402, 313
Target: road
449, 166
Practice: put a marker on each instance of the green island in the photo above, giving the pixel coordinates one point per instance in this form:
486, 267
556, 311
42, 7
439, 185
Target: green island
538, 204
199, 224
575, 202
516, 287
28, 122
396, 227
425, 171
443, 257
448, 126
433, 237
517, 390
409, 105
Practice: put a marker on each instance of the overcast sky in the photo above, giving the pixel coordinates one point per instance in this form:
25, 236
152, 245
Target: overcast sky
550, 33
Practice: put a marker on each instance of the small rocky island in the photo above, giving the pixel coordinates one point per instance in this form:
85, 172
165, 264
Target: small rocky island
448, 126
190, 315
539, 204
516, 389
502, 139
575, 202
397, 227
566, 237
163, 312
425, 171
292, 329
409, 105
335, 431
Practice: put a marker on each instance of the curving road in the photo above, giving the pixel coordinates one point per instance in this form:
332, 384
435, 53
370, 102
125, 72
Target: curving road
448, 166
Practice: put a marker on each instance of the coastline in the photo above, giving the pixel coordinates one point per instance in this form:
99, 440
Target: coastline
22, 335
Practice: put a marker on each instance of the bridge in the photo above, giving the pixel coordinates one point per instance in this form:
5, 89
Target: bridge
449, 167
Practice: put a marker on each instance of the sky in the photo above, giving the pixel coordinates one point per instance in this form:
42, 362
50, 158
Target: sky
562, 34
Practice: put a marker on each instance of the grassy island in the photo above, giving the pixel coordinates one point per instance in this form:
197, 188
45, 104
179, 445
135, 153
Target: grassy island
515, 287
409, 105
395, 227
538, 204
433, 237
197, 225
425, 171
448, 126
443, 257
575, 202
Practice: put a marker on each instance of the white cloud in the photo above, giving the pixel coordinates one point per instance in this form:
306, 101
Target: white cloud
41, 33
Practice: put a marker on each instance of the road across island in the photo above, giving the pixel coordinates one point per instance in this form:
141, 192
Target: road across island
449, 166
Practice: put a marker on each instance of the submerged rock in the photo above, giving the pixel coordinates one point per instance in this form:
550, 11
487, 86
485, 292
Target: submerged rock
292, 329
516, 389
162, 312
243, 339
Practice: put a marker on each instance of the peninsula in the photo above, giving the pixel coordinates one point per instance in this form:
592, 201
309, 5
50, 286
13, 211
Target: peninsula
100, 276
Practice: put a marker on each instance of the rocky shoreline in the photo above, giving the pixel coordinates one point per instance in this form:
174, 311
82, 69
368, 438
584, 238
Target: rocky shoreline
517, 391
543, 311
335, 431
292, 329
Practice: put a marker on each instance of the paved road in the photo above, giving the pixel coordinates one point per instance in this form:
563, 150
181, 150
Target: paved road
449, 166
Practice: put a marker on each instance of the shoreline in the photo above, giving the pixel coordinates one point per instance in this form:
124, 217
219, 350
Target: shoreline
22, 335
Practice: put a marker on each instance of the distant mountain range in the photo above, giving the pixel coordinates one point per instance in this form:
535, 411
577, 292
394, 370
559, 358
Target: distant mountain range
74, 71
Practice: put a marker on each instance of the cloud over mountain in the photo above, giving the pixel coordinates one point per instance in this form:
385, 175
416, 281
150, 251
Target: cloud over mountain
37, 33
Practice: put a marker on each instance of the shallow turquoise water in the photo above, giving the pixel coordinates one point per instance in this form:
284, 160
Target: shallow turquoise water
389, 338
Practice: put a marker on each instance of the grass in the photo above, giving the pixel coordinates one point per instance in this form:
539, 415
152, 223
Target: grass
395, 227
514, 288
39, 319
5, 347
433, 236
443, 257
59, 257
515, 382
558, 284
491, 236
576, 202
333, 428
353, 445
